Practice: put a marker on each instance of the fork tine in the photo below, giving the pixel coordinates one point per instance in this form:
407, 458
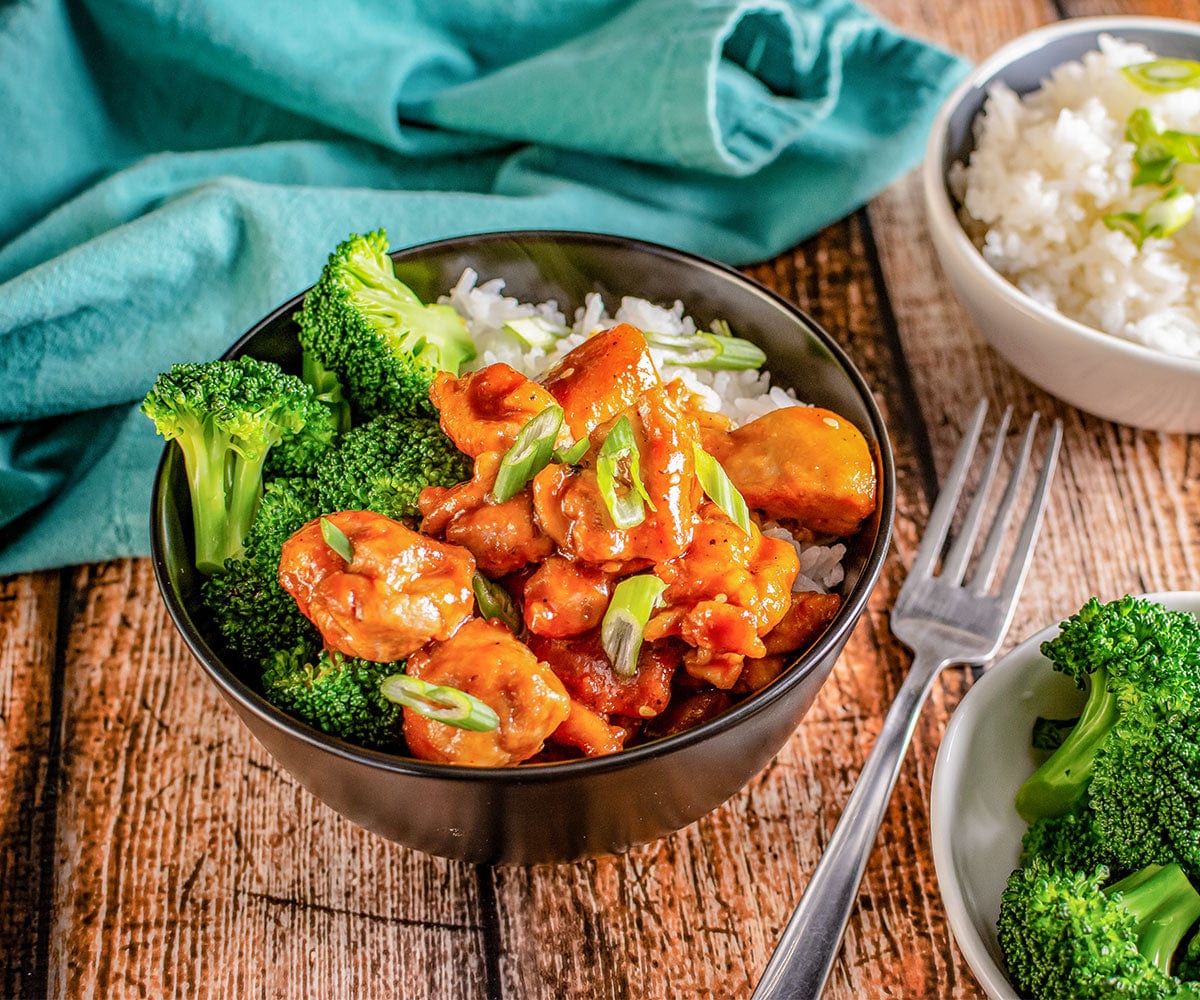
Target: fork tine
957, 558
991, 549
947, 499
1022, 554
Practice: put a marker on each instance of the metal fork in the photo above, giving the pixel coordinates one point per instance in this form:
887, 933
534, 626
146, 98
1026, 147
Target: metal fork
943, 621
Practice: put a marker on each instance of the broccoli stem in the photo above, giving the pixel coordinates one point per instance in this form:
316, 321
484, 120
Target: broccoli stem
1060, 784
1164, 905
204, 456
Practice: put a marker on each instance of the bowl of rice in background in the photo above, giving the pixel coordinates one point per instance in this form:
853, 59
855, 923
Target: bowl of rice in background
574, 809
1026, 159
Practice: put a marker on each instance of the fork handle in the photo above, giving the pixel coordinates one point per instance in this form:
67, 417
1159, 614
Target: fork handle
810, 942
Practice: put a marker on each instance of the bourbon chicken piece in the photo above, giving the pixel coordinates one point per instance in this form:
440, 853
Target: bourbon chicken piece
400, 590
601, 378
564, 597
485, 410
725, 592
502, 537
802, 463
571, 510
483, 659
587, 673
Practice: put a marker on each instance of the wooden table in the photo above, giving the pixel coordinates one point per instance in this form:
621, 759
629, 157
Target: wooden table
149, 847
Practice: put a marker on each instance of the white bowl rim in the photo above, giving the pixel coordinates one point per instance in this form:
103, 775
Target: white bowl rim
938, 200
994, 979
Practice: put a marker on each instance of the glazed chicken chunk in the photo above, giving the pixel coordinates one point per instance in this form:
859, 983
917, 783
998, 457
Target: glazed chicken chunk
802, 463
483, 659
400, 590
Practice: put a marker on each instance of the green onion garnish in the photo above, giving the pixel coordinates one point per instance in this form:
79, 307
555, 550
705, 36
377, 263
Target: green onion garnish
440, 703
535, 331
720, 489
495, 602
530, 453
569, 456
633, 601
1157, 154
1161, 76
336, 539
702, 349
619, 459
1160, 219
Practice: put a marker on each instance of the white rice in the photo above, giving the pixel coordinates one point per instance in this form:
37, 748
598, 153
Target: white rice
1045, 170
740, 395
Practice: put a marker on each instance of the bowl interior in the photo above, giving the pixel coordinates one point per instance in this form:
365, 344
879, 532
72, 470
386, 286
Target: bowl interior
983, 759
538, 266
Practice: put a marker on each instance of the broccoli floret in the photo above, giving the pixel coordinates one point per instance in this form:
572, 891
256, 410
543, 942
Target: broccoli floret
303, 453
1187, 964
328, 390
367, 328
1145, 791
1129, 654
226, 416
253, 613
1064, 843
1064, 936
383, 465
336, 694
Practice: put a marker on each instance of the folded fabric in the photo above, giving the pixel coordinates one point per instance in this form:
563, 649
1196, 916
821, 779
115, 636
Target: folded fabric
172, 171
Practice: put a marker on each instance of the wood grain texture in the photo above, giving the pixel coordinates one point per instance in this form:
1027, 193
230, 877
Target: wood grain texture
28, 635
150, 847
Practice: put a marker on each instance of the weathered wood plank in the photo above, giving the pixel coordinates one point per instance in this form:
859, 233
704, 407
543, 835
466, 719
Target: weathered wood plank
1183, 9
28, 628
188, 863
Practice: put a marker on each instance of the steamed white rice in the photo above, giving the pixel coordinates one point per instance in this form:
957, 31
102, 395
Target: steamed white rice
1046, 169
740, 395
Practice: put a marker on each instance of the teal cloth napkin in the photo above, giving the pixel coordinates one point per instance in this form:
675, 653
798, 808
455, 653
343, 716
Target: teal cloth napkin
171, 171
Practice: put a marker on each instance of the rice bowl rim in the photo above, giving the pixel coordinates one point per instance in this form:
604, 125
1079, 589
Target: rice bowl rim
940, 203
853, 605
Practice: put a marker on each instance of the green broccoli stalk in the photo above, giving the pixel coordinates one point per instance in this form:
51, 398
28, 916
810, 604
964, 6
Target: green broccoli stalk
1145, 791
225, 417
1126, 654
383, 465
1063, 936
250, 609
336, 694
364, 326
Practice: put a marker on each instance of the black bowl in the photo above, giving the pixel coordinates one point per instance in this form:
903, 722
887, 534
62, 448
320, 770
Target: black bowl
577, 809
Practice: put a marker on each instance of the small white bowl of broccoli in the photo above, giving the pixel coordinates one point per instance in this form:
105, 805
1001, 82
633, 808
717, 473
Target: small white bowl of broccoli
1066, 808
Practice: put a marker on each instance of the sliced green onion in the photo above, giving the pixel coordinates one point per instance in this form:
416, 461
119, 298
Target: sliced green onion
530, 453
619, 459
1157, 154
535, 331
720, 489
633, 601
440, 703
569, 456
1161, 76
721, 328
495, 602
336, 539
1160, 219
712, 351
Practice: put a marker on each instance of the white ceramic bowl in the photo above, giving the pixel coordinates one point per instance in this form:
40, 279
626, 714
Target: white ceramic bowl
984, 758
1105, 375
